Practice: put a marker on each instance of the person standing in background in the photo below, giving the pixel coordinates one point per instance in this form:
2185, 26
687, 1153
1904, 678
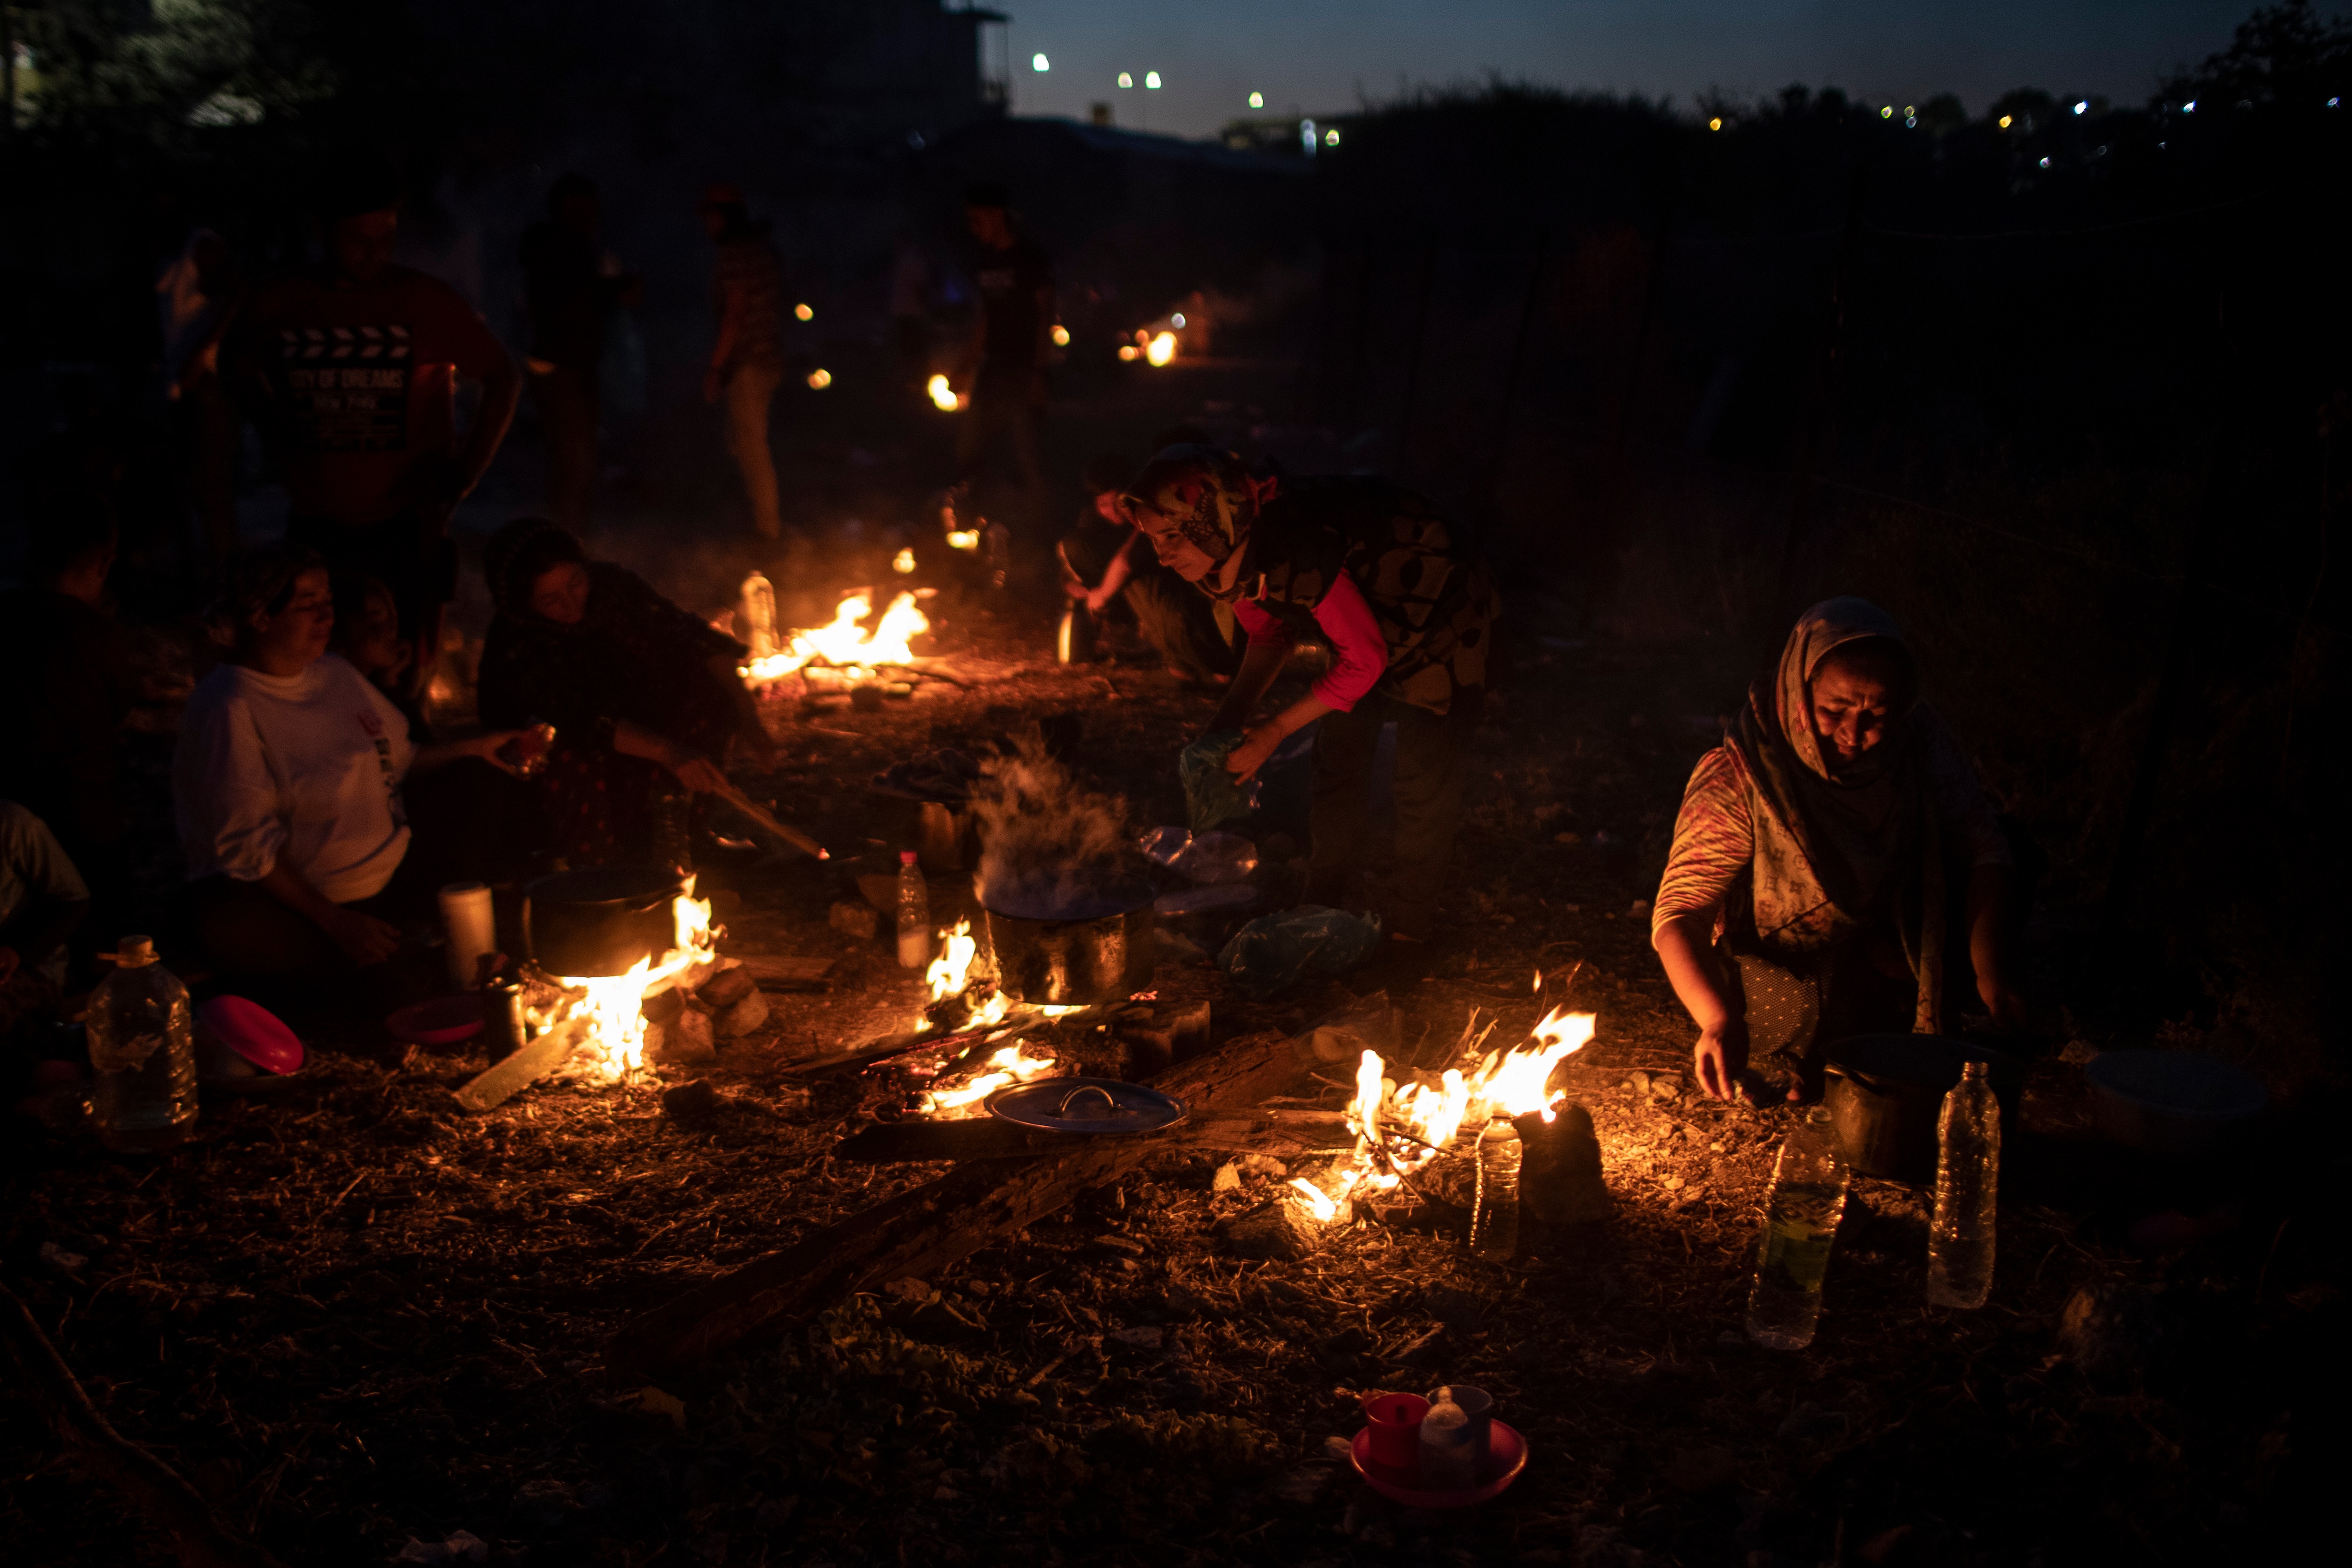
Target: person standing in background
747, 353
351, 369
1004, 364
574, 289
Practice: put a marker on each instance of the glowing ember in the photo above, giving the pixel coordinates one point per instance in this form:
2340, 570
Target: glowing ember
1011, 1064
1161, 348
963, 538
903, 562
615, 1042
1399, 1129
849, 647
1315, 1200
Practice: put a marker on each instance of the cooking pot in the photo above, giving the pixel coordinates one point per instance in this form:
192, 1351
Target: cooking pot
1095, 946
1885, 1094
600, 920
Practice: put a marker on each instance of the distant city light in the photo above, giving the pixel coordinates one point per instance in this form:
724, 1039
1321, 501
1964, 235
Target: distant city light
1177, 319
818, 380
1129, 350
803, 313
2045, 162
1886, 113
2004, 122
1061, 336
903, 562
2082, 106
1151, 82
1124, 79
1039, 63
1257, 100
2334, 101
1307, 136
1910, 110
1715, 124
943, 396
2189, 108
1330, 139
1160, 349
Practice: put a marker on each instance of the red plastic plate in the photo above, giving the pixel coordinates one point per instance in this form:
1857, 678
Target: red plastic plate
444, 1021
1506, 1455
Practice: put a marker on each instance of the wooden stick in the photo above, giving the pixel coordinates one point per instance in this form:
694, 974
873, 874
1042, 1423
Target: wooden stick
511, 1076
927, 1226
760, 817
200, 1537
1285, 1135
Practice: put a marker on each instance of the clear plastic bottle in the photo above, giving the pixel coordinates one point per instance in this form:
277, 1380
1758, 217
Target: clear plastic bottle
914, 915
1800, 1221
142, 1046
1495, 1222
760, 615
1968, 1180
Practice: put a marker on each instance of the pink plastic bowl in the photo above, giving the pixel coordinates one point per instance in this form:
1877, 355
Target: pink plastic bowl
253, 1031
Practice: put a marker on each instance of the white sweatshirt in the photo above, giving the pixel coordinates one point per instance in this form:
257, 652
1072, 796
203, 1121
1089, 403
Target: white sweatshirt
304, 768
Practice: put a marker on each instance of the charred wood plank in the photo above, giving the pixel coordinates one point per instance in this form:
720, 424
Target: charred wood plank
537, 1059
200, 1537
1283, 1133
932, 1225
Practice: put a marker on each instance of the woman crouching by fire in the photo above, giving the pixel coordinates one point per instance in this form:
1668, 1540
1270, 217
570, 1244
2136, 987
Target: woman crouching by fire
643, 697
1834, 861
1408, 609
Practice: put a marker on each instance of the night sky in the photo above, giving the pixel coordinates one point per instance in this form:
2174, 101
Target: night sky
1323, 56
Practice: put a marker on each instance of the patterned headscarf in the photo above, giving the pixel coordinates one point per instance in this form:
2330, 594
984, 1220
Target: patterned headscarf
521, 553
1206, 491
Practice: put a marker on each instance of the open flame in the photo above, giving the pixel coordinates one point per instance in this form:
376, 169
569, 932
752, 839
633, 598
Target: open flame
1160, 349
1010, 1064
950, 972
615, 1042
845, 644
1315, 1200
944, 398
1399, 1129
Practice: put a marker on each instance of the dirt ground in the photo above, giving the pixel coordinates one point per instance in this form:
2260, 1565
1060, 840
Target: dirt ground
355, 1316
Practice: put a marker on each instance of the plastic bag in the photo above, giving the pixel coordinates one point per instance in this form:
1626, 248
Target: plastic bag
1204, 858
1271, 952
1211, 796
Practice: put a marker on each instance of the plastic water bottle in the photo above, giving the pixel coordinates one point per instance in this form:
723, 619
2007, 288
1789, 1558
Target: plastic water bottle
142, 1044
914, 915
1495, 1222
1800, 1221
1967, 1179
760, 614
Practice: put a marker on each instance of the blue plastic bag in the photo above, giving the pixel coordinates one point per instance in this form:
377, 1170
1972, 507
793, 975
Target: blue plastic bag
1273, 950
1212, 797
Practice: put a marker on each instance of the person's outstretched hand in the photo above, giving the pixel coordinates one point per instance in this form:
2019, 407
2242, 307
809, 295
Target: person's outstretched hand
1244, 760
363, 938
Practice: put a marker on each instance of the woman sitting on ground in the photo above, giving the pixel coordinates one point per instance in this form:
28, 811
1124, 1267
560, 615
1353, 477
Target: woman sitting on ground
644, 699
1834, 858
286, 787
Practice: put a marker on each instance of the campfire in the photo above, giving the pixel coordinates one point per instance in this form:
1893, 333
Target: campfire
851, 649
1399, 1129
606, 1010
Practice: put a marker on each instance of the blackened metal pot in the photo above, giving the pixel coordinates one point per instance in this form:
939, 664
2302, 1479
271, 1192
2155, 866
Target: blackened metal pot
1102, 954
600, 920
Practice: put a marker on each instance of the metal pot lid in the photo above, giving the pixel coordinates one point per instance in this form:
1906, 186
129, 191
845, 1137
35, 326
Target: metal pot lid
1086, 1105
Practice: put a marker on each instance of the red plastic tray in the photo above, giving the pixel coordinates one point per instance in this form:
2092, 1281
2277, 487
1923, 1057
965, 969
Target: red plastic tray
444, 1021
1506, 1455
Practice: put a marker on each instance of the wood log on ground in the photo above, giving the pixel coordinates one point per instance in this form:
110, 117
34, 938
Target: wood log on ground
1560, 1173
200, 1538
537, 1059
1283, 1134
782, 972
930, 1226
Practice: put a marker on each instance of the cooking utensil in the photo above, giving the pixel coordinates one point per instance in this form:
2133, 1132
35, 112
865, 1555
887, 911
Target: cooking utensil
1884, 1092
761, 817
600, 920
1506, 1455
1100, 952
1086, 1105
251, 1033
444, 1021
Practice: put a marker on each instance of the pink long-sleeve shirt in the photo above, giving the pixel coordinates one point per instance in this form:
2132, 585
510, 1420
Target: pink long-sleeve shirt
1360, 653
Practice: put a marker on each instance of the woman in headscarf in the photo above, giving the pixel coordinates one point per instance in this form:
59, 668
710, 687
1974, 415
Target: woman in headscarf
643, 697
1408, 609
1829, 855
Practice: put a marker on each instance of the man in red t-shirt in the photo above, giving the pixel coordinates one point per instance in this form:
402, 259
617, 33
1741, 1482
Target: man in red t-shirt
350, 370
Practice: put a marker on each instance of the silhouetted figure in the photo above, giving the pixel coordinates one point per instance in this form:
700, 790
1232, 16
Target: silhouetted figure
350, 368
1004, 364
197, 295
69, 684
574, 289
42, 903
747, 351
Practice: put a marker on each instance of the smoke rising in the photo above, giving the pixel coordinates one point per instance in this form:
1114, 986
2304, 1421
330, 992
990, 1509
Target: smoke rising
1050, 848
